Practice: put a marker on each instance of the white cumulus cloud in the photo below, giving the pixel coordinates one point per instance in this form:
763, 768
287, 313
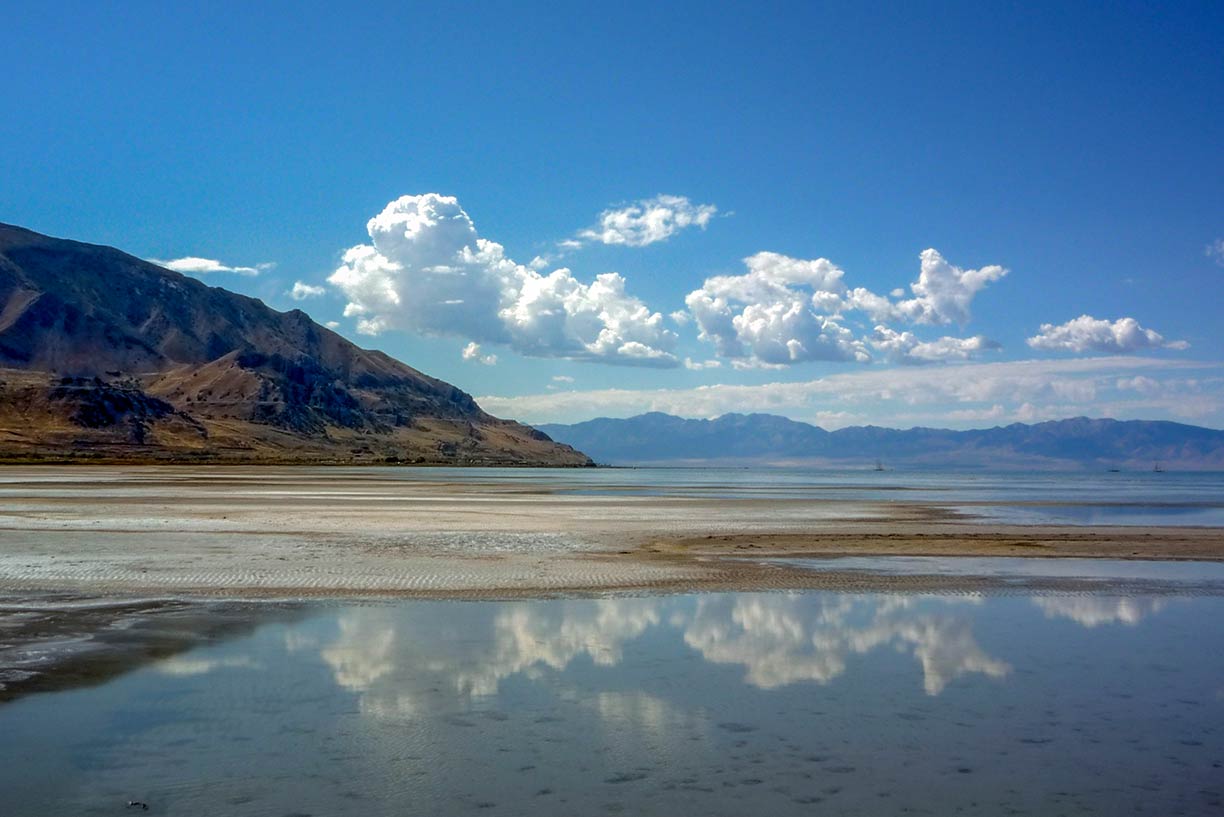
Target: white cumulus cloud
193, 265
301, 291
1089, 334
943, 292
787, 310
471, 352
648, 221
905, 347
428, 271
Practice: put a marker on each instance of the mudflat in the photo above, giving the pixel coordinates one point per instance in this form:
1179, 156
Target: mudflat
292, 532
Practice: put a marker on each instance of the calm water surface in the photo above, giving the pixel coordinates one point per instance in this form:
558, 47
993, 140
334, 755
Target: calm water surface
805, 703
1074, 497
1017, 497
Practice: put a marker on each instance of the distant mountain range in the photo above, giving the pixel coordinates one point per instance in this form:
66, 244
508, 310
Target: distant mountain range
766, 438
103, 355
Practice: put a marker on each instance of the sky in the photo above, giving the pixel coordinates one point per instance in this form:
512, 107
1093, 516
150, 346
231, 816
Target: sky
949, 214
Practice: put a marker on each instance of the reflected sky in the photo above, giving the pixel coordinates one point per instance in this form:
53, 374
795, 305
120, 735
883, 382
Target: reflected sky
722, 703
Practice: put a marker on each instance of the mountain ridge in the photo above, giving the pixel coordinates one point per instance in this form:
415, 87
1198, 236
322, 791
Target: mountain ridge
103, 354
656, 437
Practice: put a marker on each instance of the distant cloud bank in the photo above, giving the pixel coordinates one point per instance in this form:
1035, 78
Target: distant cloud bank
968, 393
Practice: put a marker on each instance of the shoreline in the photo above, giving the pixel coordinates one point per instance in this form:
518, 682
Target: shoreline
292, 532
109, 568
67, 635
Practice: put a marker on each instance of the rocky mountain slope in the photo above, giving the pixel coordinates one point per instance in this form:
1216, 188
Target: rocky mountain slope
765, 438
103, 355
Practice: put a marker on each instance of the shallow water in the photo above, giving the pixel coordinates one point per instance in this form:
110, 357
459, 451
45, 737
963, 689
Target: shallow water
1183, 575
1019, 497
1059, 498
717, 704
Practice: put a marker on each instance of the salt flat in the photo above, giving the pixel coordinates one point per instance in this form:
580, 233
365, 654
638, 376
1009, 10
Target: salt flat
302, 531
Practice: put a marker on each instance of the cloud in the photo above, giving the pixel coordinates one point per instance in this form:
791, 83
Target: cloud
472, 352
1139, 383
787, 310
301, 291
646, 222
332, 324
191, 265
905, 347
770, 312
428, 271
698, 365
1024, 389
562, 378
1215, 251
943, 292
995, 412
1089, 334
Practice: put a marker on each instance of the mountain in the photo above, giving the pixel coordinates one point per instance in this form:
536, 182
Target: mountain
765, 438
105, 355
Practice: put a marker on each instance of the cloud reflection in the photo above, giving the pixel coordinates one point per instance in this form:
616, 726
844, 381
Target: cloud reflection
529, 638
1094, 611
407, 660
781, 640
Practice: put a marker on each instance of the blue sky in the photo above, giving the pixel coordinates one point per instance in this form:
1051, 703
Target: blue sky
1063, 160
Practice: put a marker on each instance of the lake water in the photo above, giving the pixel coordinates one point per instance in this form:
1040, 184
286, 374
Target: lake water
778, 704
1168, 576
1016, 497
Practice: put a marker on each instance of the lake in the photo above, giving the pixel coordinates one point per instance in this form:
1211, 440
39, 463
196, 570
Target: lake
777, 703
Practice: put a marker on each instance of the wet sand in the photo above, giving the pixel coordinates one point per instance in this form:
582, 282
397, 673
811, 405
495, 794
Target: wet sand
52, 641
317, 532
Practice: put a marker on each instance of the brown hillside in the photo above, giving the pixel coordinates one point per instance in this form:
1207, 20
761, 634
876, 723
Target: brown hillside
106, 355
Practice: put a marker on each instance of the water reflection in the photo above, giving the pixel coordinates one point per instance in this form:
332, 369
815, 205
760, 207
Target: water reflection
397, 661
1095, 611
186, 667
716, 704
782, 640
